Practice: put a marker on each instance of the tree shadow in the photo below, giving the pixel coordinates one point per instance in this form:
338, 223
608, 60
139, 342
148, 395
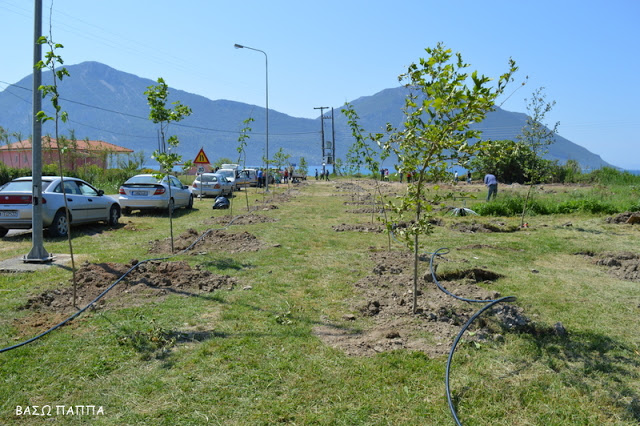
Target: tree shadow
588, 360
226, 263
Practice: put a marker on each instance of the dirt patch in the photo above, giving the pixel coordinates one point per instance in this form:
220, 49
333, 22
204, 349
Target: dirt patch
264, 207
385, 308
365, 210
213, 240
359, 227
626, 217
130, 226
245, 219
474, 227
149, 280
486, 246
623, 265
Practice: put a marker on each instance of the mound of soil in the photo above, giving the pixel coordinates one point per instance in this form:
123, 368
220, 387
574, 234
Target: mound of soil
359, 227
386, 300
264, 207
213, 240
473, 227
151, 279
365, 210
245, 219
626, 217
624, 265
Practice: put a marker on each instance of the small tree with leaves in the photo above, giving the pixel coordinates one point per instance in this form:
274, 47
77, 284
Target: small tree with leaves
362, 149
52, 59
443, 102
242, 143
537, 137
303, 166
157, 98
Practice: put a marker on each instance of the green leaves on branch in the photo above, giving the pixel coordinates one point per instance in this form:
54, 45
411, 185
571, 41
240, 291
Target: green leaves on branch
361, 152
159, 113
51, 91
243, 138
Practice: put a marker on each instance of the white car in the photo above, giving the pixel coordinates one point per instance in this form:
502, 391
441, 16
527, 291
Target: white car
211, 184
145, 192
86, 204
230, 174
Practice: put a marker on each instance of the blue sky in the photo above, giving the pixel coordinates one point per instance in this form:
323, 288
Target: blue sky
324, 53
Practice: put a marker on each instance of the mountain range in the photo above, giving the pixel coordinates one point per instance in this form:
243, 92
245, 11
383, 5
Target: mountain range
106, 104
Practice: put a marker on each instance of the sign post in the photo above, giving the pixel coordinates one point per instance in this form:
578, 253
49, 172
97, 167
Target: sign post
201, 160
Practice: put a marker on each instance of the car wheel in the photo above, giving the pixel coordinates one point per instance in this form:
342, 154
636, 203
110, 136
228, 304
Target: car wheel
3, 232
114, 215
59, 227
190, 204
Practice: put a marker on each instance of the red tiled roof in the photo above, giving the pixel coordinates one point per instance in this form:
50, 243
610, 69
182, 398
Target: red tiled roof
80, 145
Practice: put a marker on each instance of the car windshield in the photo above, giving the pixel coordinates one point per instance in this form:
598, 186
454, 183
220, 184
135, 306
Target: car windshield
142, 179
226, 173
208, 178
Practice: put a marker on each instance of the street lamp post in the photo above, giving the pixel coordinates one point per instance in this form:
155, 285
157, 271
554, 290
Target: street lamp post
266, 68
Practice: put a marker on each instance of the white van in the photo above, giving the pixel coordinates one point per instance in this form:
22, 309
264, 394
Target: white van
247, 177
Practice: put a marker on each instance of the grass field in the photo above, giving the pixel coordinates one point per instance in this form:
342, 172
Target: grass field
248, 354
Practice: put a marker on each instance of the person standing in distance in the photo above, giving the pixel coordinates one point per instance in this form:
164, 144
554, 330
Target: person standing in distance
492, 183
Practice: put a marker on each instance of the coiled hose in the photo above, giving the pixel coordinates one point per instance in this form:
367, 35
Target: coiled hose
108, 289
489, 303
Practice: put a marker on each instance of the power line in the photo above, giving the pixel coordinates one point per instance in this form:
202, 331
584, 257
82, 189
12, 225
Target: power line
146, 118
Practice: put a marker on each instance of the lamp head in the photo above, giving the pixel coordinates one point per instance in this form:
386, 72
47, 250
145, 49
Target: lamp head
238, 46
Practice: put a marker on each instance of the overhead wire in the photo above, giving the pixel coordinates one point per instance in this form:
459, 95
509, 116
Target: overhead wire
84, 104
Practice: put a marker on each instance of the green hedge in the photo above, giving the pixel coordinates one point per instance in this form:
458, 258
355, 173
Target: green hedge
513, 205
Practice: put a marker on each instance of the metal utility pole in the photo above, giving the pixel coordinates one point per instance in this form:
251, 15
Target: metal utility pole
322, 133
38, 252
333, 143
266, 80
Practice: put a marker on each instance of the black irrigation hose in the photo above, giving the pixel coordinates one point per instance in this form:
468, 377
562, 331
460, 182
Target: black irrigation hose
489, 303
452, 408
101, 295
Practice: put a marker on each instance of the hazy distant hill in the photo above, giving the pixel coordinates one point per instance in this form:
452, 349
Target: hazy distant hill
107, 104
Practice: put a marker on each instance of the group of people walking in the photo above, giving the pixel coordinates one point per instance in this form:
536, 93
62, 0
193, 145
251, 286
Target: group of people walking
324, 175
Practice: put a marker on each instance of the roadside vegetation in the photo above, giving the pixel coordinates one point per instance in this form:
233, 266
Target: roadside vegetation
250, 353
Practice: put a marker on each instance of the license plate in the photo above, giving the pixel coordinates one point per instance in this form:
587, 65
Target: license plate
139, 192
8, 213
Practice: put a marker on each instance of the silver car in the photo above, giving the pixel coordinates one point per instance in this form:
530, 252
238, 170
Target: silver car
211, 184
144, 192
86, 204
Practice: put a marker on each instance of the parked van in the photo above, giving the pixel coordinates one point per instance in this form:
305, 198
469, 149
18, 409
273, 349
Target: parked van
247, 177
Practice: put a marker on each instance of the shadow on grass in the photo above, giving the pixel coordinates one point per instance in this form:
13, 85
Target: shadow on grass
592, 362
155, 342
587, 358
226, 263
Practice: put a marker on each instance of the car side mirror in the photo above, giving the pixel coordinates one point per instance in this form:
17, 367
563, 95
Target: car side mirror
100, 192
185, 186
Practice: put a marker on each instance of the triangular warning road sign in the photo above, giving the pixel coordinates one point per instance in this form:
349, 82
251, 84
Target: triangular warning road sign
201, 158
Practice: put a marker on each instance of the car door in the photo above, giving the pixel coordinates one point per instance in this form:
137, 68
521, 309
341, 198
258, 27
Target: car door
96, 206
75, 201
180, 195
